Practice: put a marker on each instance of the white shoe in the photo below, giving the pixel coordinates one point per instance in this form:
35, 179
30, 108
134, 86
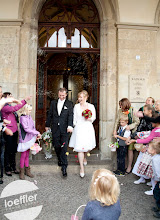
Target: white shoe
85, 163
149, 184
139, 181
82, 175
149, 193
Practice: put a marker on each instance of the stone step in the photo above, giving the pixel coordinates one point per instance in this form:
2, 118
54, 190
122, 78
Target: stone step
51, 167
71, 157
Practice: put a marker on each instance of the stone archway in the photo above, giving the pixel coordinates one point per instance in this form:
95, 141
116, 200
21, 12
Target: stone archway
108, 61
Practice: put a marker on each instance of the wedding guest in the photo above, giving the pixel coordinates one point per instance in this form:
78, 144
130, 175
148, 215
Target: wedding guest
27, 137
9, 113
133, 122
154, 150
4, 129
149, 101
157, 106
144, 125
104, 193
83, 137
122, 136
154, 133
60, 119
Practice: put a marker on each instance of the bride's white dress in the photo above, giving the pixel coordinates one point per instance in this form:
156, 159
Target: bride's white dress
83, 136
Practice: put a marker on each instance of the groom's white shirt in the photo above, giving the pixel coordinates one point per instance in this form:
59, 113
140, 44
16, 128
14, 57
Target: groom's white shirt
60, 105
59, 108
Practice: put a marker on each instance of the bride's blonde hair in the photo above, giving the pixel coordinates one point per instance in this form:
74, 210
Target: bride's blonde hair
85, 93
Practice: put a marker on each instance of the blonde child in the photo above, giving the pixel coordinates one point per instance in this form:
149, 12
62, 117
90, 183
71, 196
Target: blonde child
122, 135
154, 150
104, 193
27, 137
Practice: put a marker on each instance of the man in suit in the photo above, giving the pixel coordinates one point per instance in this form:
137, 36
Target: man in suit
60, 119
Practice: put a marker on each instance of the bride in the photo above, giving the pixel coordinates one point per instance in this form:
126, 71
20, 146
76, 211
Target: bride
83, 136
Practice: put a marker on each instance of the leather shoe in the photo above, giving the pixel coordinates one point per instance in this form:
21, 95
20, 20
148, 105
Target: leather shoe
1, 181
59, 163
155, 209
157, 214
64, 171
8, 173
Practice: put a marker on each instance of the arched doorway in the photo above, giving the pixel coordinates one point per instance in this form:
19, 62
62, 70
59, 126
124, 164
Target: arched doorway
68, 54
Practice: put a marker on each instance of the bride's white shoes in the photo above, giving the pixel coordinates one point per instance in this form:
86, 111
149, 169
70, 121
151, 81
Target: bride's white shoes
82, 175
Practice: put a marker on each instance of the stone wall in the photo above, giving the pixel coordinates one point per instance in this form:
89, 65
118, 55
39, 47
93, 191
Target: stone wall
9, 58
141, 43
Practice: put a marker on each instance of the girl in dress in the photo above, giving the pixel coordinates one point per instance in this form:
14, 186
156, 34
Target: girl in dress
144, 167
27, 137
83, 136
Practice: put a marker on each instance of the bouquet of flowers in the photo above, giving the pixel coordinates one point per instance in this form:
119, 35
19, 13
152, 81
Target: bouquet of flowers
35, 148
47, 143
87, 113
113, 146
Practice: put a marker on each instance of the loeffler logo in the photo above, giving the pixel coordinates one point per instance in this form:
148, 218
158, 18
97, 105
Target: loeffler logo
20, 200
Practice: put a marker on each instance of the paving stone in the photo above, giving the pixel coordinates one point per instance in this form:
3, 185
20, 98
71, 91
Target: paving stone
61, 197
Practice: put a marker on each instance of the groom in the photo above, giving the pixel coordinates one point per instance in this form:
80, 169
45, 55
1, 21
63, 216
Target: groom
60, 119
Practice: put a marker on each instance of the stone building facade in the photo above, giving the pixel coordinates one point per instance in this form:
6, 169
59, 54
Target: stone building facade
129, 49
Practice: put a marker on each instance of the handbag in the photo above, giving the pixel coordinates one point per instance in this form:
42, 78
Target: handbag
75, 217
35, 148
139, 147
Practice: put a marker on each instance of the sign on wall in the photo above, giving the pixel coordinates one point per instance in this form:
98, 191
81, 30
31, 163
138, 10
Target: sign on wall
137, 88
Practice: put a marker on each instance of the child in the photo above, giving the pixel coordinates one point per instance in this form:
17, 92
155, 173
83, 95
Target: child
122, 136
142, 166
27, 137
104, 193
144, 125
154, 150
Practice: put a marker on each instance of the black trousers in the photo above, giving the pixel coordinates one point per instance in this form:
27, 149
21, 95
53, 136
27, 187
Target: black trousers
2, 158
156, 193
60, 143
10, 151
121, 154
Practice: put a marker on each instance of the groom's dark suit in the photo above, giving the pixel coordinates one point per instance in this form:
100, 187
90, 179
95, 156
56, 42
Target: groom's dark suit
59, 125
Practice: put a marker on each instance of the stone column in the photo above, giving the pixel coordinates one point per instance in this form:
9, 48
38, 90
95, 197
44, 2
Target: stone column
28, 62
108, 85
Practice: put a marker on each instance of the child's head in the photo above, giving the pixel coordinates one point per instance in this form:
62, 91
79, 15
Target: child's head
148, 110
154, 147
123, 120
104, 187
26, 110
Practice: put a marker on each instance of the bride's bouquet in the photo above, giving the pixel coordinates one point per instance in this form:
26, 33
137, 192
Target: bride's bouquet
47, 144
87, 113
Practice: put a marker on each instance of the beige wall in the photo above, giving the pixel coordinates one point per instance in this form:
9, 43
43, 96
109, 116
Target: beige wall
9, 58
9, 9
131, 43
137, 11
